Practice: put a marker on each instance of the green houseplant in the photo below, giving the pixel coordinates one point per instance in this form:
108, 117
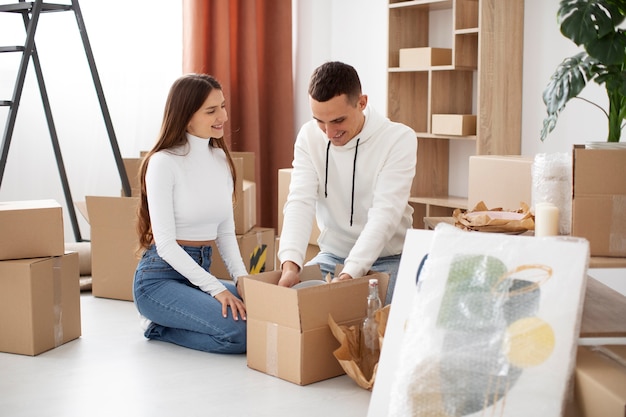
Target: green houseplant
594, 24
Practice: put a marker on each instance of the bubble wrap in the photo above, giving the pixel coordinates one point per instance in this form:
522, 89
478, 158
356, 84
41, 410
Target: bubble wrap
552, 183
493, 327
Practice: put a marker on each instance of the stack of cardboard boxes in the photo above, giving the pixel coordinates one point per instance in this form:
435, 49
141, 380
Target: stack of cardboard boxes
115, 246
39, 282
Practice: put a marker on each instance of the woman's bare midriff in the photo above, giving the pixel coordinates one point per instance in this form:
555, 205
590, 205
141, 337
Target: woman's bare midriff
195, 243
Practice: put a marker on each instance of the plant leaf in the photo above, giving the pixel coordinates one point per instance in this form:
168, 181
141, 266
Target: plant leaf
584, 21
568, 80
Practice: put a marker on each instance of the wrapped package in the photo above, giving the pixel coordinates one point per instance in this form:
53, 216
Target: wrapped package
493, 326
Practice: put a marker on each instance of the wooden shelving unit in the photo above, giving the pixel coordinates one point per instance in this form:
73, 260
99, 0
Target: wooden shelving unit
484, 78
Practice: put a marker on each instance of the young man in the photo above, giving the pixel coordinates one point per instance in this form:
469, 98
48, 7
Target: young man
353, 170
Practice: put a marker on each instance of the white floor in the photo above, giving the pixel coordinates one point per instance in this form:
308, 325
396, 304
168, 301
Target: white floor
111, 370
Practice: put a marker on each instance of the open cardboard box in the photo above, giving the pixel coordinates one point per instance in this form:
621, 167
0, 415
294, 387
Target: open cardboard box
114, 244
257, 251
288, 332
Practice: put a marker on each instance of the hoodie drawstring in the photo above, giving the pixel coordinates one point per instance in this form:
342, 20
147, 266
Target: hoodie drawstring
356, 149
326, 178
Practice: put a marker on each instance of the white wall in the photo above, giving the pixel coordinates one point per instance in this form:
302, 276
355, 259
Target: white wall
138, 50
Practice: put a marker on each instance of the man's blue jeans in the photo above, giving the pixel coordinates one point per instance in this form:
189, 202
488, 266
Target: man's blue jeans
389, 264
180, 312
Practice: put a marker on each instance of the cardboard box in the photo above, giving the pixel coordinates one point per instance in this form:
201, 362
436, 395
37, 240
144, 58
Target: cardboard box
454, 124
311, 251
284, 179
132, 165
288, 332
245, 192
31, 229
39, 303
600, 387
425, 57
114, 245
257, 251
499, 181
599, 199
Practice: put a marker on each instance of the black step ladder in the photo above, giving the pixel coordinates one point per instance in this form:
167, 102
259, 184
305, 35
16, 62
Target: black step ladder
30, 12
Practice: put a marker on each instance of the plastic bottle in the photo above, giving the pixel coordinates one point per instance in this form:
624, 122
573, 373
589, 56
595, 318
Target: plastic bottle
370, 348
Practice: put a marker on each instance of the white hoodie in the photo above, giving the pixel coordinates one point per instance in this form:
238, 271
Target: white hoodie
362, 223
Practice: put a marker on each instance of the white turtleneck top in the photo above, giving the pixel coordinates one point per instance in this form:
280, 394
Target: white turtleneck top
189, 191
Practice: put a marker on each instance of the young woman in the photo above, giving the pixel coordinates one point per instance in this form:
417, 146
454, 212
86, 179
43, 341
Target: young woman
187, 182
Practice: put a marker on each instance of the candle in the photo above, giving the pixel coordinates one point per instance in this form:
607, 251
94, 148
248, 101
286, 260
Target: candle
546, 220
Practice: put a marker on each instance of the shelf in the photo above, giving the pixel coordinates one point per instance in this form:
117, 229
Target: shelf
428, 4
426, 135
484, 80
444, 201
605, 262
437, 68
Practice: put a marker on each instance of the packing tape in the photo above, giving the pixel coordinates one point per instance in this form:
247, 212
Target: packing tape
271, 349
617, 237
57, 299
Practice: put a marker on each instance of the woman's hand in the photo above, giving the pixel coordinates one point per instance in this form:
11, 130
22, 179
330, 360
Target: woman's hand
290, 275
237, 306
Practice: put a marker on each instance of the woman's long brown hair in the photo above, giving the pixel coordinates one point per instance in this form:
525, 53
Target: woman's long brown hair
186, 96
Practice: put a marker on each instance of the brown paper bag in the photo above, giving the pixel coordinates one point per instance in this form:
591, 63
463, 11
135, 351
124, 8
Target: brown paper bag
348, 354
496, 220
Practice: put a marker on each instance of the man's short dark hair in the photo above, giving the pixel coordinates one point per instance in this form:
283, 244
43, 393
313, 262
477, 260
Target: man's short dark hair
333, 79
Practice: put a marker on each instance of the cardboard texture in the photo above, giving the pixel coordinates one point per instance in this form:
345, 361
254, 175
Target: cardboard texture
599, 199
245, 192
311, 251
39, 303
500, 181
257, 251
132, 165
288, 332
454, 124
425, 57
284, 179
600, 381
114, 245
31, 229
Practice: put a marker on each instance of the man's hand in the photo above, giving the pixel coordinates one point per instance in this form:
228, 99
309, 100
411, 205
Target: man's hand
342, 277
290, 275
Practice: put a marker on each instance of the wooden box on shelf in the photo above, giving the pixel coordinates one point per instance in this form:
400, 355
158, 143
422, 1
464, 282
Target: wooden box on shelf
454, 124
425, 57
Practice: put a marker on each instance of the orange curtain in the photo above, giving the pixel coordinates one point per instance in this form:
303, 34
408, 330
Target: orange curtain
246, 45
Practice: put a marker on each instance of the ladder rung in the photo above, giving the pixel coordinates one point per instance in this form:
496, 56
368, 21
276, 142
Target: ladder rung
17, 48
5, 103
22, 7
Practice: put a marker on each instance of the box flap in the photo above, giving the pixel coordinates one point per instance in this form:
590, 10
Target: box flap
599, 171
82, 208
308, 308
267, 302
102, 209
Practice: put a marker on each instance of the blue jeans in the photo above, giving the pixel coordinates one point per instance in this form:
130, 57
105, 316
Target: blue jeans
180, 312
389, 264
